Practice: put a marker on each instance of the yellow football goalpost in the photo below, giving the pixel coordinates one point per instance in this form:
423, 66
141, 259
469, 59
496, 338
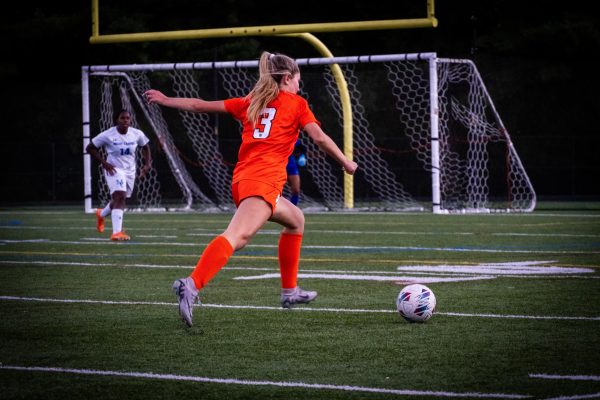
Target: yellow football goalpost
302, 31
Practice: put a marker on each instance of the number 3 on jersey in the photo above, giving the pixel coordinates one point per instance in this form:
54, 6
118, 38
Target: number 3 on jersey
262, 132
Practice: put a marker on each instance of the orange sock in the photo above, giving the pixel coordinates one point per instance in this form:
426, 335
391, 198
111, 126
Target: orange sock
214, 257
289, 258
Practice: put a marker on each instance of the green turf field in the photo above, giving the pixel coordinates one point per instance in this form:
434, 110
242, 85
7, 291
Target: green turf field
518, 308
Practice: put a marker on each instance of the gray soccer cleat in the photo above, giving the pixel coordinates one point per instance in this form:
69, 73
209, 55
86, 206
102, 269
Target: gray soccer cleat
186, 293
291, 297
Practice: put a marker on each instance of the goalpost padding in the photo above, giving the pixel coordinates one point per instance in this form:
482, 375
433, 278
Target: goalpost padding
426, 135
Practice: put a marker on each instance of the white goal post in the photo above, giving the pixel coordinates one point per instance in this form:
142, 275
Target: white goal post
426, 135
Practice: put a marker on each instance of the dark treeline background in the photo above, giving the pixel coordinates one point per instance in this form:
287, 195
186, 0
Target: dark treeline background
538, 61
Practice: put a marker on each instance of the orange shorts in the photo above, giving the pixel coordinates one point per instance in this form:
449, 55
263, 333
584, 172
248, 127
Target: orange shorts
248, 188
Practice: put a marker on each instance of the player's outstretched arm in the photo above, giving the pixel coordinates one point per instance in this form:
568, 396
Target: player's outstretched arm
186, 104
325, 143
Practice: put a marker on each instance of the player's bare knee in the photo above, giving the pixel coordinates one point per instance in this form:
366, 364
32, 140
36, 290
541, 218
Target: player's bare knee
296, 222
118, 201
238, 241
300, 220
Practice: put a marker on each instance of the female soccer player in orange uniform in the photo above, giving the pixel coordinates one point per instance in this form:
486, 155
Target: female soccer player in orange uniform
272, 115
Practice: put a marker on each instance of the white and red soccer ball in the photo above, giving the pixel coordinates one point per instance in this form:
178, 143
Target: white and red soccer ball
416, 303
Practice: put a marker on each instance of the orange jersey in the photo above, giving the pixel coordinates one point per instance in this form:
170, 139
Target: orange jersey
267, 145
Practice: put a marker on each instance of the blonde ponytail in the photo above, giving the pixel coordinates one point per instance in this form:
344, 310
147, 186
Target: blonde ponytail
271, 68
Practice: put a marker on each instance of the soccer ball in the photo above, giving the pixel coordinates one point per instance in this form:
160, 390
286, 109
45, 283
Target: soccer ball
416, 303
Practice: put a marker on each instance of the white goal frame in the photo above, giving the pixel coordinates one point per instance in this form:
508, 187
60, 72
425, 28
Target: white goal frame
435, 157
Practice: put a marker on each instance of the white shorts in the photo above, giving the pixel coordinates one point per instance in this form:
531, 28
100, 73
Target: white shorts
120, 181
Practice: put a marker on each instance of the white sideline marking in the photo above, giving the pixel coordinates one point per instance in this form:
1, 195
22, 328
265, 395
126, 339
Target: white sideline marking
576, 397
158, 236
300, 308
355, 277
345, 232
518, 268
546, 234
190, 266
387, 248
330, 213
77, 301
217, 231
444, 270
481, 271
232, 381
87, 264
567, 377
509, 316
24, 241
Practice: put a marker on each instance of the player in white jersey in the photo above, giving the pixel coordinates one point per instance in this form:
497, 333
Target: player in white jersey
120, 143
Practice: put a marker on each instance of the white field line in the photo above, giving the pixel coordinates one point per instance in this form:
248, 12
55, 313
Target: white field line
361, 233
546, 235
356, 277
226, 268
217, 231
89, 264
567, 377
572, 378
158, 236
16, 212
242, 256
300, 308
509, 316
576, 397
232, 381
382, 248
425, 273
497, 269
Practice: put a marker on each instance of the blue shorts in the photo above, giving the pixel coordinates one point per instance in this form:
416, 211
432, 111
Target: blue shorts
292, 167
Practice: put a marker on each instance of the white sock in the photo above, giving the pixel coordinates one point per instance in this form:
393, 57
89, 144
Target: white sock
117, 220
105, 211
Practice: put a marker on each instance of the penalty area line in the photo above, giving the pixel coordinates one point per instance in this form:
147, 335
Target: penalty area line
232, 381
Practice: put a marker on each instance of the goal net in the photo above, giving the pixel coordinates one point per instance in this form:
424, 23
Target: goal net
426, 135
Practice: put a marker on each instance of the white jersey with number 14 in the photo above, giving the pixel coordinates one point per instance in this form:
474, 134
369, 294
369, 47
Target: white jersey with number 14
120, 148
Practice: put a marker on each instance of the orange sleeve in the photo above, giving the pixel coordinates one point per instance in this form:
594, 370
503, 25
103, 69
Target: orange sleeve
236, 107
305, 115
